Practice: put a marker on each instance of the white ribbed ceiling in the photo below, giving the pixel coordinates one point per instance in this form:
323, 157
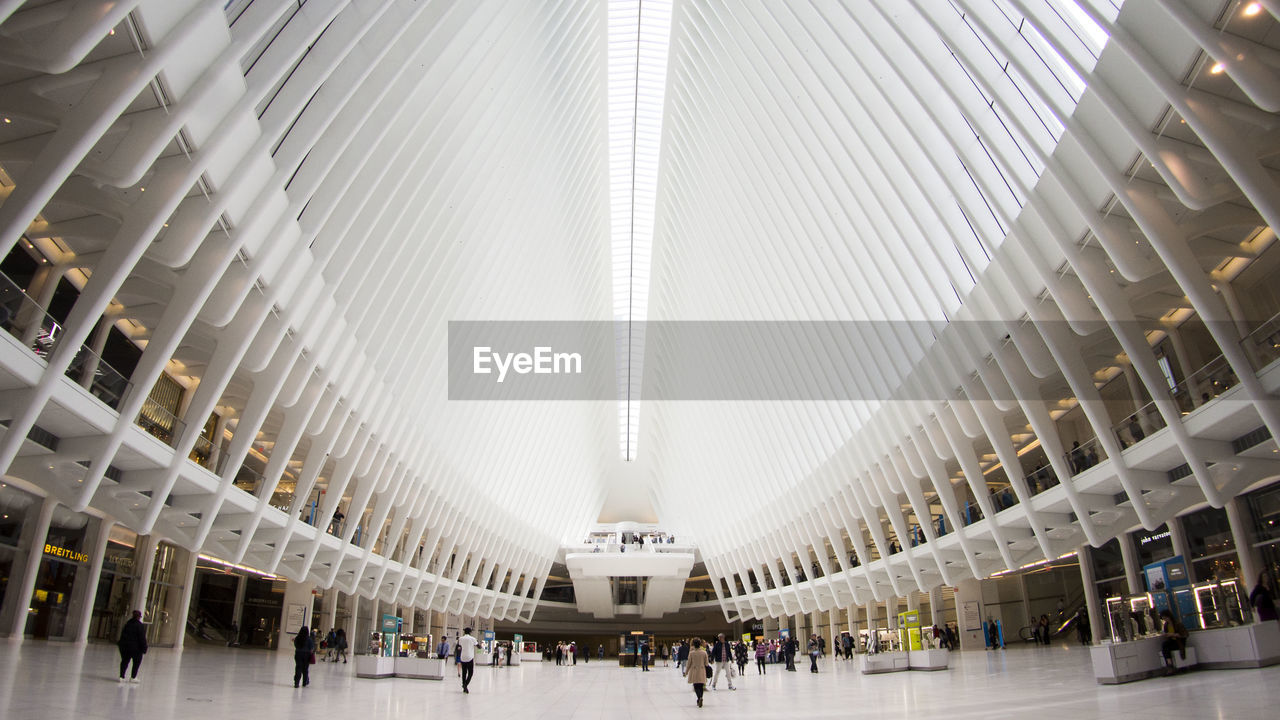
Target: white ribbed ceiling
286, 204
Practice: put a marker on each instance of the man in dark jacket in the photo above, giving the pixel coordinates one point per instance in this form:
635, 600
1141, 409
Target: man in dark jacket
133, 645
722, 658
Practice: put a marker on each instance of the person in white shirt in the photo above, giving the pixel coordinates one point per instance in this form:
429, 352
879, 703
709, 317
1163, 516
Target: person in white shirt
467, 657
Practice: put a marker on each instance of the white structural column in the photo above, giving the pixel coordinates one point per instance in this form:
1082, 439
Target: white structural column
1178, 535
1242, 536
144, 563
19, 596
1092, 603
97, 553
183, 610
1132, 573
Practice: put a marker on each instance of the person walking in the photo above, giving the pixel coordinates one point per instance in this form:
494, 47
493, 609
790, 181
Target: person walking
133, 645
644, 655
442, 650
303, 649
466, 657
331, 646
696, 672
682, 656
722, 657
1263, 598
790, 646
740, 655
342, 645
814, 649
762, 654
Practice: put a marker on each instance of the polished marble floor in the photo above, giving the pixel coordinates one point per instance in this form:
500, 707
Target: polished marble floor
51, 681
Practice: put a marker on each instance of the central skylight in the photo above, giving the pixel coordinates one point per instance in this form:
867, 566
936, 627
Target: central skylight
639, 34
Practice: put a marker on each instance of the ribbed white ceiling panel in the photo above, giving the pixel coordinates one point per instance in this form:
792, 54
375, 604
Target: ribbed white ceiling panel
838, 161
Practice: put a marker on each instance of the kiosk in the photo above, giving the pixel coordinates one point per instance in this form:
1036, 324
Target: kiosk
417, 659
529, 652
383, 647
921, 653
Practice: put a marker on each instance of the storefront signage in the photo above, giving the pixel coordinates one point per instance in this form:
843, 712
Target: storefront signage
1152, 538
72, 555
390, 623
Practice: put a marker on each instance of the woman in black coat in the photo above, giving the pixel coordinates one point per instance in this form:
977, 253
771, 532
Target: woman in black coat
133, 645
303, 646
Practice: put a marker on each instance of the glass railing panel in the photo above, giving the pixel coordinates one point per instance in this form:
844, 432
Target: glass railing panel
100, 379
1262, 346
1003, 497
1085, 455
1041, 479
24, 319
1136, 426
202, 452
1205, 384
157, 420
248, 480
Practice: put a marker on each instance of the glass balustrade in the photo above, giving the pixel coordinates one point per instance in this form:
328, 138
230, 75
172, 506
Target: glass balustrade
157, 420
100, 379
248, 480
1205, 384
1085, 455
1041, 479
25, 320
1262, 346
1003, 497
1136, 426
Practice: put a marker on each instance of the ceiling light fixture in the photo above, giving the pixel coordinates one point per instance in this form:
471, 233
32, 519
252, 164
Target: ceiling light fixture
1252, 9
1216, 69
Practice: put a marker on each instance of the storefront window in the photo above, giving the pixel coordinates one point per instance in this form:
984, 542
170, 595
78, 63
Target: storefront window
260, 616
14, 506
165, 594
1264, 507
115, 586
1108, 561
1212, 548
64, 560
1152, 546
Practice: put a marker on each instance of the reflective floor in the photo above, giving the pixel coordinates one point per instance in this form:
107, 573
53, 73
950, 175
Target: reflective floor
43, 681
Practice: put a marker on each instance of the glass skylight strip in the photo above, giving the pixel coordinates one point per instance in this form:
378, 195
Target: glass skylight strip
639, 36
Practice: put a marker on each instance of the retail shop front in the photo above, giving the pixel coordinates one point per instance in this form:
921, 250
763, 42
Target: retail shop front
73, 576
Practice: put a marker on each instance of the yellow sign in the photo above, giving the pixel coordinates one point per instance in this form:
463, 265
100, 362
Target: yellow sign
73, 555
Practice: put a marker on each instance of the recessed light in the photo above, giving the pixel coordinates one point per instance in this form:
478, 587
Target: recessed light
1252, 9
1216, 69
142, 189
7, 121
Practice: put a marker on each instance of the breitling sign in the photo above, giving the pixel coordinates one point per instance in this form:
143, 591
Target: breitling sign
73, 555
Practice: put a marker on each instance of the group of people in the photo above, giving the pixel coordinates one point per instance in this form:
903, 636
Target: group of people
701, 662
335, 645
566, 653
